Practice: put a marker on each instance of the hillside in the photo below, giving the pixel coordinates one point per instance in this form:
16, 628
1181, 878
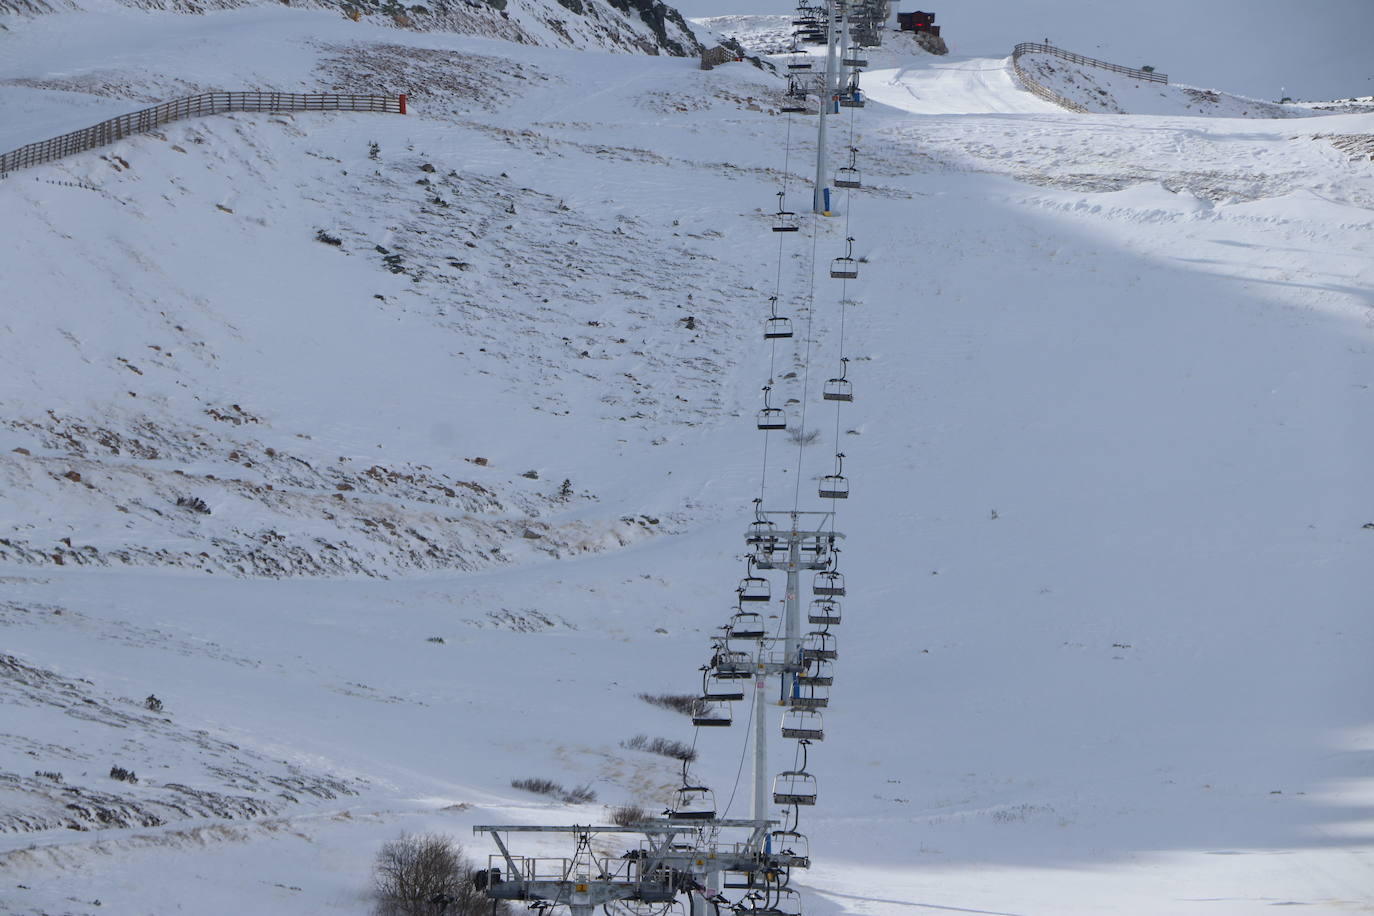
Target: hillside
635, 26
1105, 646
1099, 90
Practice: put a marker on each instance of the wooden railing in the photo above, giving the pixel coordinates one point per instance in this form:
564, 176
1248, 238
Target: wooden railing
206, 103
1031, 47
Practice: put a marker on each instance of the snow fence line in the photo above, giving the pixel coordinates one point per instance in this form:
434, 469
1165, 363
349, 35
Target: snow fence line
1036, 88
192, 106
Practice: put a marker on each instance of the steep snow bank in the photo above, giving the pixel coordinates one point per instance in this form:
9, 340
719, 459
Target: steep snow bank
1107, 91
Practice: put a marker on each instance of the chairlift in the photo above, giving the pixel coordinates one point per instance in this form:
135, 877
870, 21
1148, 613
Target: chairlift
776, 327
845, 268
839, 389
819, 645
824, 611
790, 849
836, 485
809, 696
803, 723
794, 787
804, 65
752, 587
711, 713
785, 220
787, 902
847, 176
761, 529
732, 664
853, 62
716, 688
693, 803
830, 584
817, 672
770, 417
746, 625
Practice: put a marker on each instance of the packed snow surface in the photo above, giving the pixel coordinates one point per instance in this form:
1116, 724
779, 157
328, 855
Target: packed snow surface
1107, 634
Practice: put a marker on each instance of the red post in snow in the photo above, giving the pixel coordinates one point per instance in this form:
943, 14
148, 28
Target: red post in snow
403, 103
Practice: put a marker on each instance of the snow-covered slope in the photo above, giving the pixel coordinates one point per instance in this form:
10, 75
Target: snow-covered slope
1106, 641
636, 26
1100, 90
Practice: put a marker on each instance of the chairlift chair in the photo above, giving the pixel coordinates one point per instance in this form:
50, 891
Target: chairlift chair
762, 534
803, 723
818, 644
809, 696
839, 389
852, 99
717, 688
824, 611
693, 803
711, 713
836, 485
776, 327
785, 220
794, 787
854, 62
845, 268
770, 417
830, 584
781, 901
790, 849
752, 587
747, 625
731, 664
806, 65
817, 672
847, 176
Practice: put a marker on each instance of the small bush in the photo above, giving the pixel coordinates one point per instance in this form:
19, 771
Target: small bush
578, 796
152, 703
326, 238
537, 786
123, 775
664, 747
194, 503
803, 436
582, 795
684, 703
52, 775
628, 815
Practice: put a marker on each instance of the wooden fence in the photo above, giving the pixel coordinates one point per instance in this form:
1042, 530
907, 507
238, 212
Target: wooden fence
1030, 47
206, 103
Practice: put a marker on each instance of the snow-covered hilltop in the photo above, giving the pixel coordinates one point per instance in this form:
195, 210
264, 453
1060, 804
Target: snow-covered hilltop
395, 456
637, 26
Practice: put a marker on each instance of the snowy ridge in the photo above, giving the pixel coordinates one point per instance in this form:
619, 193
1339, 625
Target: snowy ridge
1091, 89
634, 26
